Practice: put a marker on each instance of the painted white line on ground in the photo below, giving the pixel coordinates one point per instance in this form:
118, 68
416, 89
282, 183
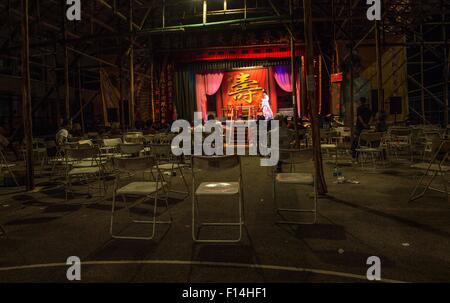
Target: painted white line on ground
200, 263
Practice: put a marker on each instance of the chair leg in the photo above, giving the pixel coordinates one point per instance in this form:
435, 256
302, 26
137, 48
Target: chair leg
280, 211
195, 230
415, 197
153, 222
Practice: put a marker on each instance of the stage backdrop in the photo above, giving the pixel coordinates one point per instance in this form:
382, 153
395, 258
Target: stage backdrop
240, 87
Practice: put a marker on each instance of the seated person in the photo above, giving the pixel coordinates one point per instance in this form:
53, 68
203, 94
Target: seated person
62, 135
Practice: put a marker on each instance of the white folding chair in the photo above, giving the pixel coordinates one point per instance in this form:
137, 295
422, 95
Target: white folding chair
370, 148
131, 150
293, 179
85, 163
111, 146
439, 166
129, 168
169, 164
211, 166
6, 166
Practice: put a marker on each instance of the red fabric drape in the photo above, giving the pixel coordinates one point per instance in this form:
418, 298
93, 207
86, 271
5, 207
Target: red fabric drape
206, 85
283, 77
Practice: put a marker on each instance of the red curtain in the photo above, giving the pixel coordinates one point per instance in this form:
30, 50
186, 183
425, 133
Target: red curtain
283, 76
206, 85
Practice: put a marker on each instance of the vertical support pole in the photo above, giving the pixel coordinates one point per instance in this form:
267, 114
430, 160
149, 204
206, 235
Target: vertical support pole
351, 97
26, 97
152, 83
122, 106
293, 79
66, 68
225, 5
422, 79
131, 59
422, 88
245, 9
294, 91
205, 11
352, 77
80, 99
446, 65
58, 94
164, 14
379, 67
318, 163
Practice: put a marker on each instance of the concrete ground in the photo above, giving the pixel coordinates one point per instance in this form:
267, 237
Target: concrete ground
356, 221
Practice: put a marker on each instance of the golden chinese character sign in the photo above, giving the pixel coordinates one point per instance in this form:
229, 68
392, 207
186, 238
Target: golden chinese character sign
245, 90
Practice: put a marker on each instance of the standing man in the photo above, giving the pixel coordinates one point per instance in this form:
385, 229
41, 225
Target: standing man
363, 121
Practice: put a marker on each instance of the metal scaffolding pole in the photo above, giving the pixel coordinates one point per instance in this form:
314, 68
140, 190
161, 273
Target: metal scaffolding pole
66, 71
446, 65
293, 78
379, 53
131, 69
26, 97
318, 162
80, 99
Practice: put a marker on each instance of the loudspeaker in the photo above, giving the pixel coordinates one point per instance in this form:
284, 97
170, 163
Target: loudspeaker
395, 105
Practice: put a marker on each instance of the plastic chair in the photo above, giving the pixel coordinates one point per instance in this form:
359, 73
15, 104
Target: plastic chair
130, 167
212, 166
295, 178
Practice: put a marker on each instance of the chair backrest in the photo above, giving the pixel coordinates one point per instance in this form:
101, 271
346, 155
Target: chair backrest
80, 152
296, 156
135, 137
134, 164
161, 151
400, 131
215, 163
440, 148
86, 142
370, 139
112, 142
131, 149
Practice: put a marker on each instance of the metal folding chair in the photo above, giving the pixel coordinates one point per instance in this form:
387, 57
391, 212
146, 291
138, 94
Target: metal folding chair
439, 166
169, 164
85, 163
131, 150
6, 166
212, 166
295, 157
370, 147
131, 167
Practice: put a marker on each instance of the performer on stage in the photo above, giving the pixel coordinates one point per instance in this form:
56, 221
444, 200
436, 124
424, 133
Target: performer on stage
266, 110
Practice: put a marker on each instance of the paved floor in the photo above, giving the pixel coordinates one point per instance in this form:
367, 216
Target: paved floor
356, 221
